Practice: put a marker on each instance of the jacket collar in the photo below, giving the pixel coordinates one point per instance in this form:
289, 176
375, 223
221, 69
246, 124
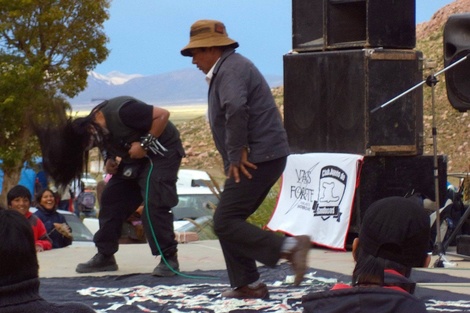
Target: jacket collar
223, 57
19, 293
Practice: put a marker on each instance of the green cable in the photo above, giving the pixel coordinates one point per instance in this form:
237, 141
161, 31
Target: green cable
154, 237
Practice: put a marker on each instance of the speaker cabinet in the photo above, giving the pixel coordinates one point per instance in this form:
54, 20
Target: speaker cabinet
457, 46
342, 24
386, 176
328, 98
307, 25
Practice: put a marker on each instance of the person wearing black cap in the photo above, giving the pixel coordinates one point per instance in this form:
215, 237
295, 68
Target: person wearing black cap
394, 238
142, 150
19, 268
247, 130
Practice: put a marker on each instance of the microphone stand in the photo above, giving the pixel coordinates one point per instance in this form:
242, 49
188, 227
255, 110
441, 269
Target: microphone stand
431, 81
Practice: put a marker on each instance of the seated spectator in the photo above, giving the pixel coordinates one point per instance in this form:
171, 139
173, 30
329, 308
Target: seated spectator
394, 238
19, 199
57, 228
19, 279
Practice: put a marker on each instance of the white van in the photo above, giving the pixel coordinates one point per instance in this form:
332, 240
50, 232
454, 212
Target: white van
195, 198
192, 178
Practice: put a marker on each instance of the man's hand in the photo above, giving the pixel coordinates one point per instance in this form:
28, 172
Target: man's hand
234, 171
111, 166
136, 151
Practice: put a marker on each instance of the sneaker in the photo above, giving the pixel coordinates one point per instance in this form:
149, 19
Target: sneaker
162, 270
247, 292
98, 263
298, 257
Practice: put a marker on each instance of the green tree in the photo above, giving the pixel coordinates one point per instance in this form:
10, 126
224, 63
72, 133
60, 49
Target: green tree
47, 48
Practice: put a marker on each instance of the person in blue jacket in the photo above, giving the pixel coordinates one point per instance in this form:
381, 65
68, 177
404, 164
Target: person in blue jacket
57, 228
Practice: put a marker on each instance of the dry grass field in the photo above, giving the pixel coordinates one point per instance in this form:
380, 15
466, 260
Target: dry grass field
178, 113
184, 113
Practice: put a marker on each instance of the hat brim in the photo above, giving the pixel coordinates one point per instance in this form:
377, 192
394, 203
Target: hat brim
206, 43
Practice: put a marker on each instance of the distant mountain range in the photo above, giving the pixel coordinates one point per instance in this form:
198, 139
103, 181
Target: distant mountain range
187, 86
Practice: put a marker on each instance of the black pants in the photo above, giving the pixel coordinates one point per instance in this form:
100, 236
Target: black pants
122, 196
243, 243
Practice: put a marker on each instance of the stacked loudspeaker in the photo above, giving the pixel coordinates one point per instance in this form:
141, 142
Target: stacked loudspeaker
350, 57
456, 47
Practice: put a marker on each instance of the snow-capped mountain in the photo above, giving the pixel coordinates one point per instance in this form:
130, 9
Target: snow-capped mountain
114, 78
186, 86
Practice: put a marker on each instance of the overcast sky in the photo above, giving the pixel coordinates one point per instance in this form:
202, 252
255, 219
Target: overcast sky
146, 36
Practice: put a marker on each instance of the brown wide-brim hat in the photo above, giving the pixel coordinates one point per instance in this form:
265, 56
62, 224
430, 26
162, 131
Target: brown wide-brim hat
207, 33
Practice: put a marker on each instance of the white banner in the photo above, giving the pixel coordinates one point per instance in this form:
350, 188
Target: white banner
316, 197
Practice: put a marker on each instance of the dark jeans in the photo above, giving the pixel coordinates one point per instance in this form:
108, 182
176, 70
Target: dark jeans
122, 196
64, 205
243, 243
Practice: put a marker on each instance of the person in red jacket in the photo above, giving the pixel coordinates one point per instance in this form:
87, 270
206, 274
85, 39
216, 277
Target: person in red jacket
19, 199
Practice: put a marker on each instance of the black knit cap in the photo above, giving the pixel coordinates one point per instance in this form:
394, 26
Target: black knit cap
397, 229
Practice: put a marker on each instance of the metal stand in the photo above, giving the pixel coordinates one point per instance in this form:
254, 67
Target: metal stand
431, 81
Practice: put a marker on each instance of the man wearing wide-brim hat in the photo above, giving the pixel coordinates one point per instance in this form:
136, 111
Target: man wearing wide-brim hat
248, 132
207, 33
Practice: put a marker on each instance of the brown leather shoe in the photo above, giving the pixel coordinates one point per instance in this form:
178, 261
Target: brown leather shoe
298, 257
245, 292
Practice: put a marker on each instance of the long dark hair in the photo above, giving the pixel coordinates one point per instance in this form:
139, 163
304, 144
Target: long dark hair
65, 146
369, 270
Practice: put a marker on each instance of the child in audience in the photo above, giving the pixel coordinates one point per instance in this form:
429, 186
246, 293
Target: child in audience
19, 199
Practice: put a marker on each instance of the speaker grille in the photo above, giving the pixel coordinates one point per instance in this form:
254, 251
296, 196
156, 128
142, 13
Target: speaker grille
456, 47
328, 97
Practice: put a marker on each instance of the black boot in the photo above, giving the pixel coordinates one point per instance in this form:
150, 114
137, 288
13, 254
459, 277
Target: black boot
163, 270
98, 263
